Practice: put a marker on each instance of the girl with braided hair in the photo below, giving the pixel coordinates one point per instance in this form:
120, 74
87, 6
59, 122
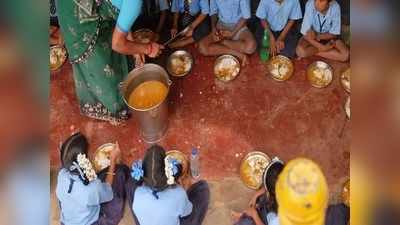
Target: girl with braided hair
87, 198
156, 196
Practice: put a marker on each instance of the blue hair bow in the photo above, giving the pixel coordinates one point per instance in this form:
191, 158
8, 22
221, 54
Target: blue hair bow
137, 170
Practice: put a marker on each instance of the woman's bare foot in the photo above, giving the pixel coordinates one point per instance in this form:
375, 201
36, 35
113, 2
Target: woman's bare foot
235, 216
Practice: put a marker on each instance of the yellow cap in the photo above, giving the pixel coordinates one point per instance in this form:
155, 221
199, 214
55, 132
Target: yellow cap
302, 194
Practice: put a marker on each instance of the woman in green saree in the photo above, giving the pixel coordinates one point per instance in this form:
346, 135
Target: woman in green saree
95, 33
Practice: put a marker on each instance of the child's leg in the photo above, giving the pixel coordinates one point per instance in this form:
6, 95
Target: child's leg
305, 49
244, 43
339, 53
208, 47
199, 196
111, 212
182, 42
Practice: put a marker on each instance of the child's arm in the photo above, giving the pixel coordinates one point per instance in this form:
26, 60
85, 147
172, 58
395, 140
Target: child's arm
286, 30
195, 23
326, 36
253, 200
174, 29
161, 23
252, 212
311, 38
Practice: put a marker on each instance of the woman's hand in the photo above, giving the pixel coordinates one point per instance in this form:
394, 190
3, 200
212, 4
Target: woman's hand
154, 50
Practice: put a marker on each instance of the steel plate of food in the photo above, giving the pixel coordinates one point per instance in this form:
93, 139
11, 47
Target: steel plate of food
102, 156
280, 67
144, 36
345, 80
181, 158
58, 56
252, 168
320, 74
226, 68
180, 63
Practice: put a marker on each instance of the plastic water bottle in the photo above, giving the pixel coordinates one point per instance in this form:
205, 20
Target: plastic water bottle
264, 51
195, 163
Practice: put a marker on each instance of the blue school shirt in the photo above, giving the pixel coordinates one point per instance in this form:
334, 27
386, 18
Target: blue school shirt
196, 6
172, 204
129, 10
272, 218
163, 4
278, 14
230, 11
82, 205
329, 23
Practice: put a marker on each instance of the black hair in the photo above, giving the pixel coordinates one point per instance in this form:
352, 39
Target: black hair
180, 172
70, 149
154, 169
270, 179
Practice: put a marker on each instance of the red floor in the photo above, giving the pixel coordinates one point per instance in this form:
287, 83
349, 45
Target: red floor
226, 121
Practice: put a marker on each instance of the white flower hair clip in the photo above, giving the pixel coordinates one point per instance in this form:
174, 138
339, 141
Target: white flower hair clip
171, 169
87, 167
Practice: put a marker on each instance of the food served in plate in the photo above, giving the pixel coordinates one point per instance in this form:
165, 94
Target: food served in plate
181, 64
58, 55
320, 74
281, 68
181, 158
102, 157
345, 79
252, 169
227, 69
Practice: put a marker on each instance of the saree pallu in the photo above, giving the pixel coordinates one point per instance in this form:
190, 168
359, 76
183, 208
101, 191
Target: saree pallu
97, 69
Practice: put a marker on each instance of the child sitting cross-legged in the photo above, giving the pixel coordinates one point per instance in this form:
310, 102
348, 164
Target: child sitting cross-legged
321, 29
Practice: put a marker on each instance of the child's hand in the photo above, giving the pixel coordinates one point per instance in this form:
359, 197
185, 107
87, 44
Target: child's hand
311, 35
216, 35
272, 46
326, 47
115, 154
174, 31
189, 32
280, 45
226, 34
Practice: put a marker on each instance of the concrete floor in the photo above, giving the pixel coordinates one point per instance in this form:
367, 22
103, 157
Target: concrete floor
226, 121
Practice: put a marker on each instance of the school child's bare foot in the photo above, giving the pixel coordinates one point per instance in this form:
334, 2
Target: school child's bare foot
235, 216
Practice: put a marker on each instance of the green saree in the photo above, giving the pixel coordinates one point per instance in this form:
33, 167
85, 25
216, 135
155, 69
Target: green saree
97, 69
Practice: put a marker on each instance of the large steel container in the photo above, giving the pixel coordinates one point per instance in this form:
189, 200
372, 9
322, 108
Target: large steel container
153, 121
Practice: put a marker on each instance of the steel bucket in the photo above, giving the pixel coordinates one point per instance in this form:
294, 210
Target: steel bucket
153, 122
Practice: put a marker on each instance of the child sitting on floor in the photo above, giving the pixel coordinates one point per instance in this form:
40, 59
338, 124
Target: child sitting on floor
84, 198
321, 28
229, 33
263, 206
192, 14
278, 18
156, 198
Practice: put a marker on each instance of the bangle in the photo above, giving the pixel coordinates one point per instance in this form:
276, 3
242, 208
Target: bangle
109, 173
149, 49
